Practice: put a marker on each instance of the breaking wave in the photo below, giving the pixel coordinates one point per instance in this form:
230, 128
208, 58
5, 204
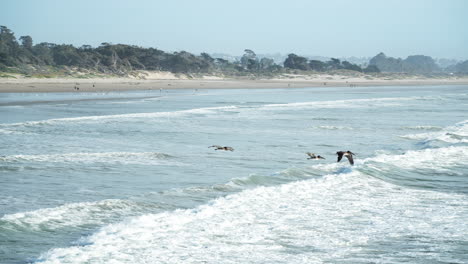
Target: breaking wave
143, 158
452, 134
352, 103
314, 221
110, 118
73, 215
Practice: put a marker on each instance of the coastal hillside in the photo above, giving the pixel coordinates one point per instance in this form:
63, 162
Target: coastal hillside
47, 60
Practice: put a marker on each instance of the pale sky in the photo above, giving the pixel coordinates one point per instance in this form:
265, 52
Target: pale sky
332, 28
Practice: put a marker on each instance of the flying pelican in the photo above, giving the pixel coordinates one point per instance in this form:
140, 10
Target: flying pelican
348, 154
312, 156
218, 147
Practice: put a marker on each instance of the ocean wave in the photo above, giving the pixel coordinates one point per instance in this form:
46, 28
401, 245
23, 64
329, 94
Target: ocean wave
14, 132
73, 215
350, 103
430, 128
451, 134
438, 159
439, 169
143, 158
313, 221
334, 127
119, 117
442, 160
95, 213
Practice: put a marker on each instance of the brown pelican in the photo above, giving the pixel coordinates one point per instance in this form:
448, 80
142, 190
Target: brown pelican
312, 156
218, 147
348, 154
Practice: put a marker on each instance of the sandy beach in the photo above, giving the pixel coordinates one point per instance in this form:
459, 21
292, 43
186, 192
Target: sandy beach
157, 82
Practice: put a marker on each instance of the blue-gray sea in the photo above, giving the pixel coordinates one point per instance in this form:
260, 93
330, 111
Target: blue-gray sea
128, 177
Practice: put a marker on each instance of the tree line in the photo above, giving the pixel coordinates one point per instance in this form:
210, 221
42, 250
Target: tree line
122, 59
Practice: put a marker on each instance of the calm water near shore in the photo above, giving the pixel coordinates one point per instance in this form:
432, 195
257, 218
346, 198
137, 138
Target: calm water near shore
127, 177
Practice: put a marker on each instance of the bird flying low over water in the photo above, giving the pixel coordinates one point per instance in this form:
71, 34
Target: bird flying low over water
312, 156
218, 147
348, 154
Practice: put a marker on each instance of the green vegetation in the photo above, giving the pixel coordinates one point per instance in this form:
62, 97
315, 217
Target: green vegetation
48, 60
416, 64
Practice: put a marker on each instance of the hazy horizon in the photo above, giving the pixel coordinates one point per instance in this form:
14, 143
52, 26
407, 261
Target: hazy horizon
336, 28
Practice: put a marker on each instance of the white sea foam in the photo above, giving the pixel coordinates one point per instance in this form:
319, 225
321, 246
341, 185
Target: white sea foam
73, 214
334, 127
437, 159
431, 128
452, 134
313, 221
13, 132
143, 158
337, 217
351, 103
120, 117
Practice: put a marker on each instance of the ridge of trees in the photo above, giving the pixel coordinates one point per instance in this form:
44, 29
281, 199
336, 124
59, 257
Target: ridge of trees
122, 59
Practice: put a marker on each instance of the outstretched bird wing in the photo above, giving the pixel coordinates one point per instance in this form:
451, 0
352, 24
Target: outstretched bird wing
312, 155
340, 155
350, 158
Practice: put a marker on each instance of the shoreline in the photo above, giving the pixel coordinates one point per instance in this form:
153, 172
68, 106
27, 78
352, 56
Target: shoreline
36, 85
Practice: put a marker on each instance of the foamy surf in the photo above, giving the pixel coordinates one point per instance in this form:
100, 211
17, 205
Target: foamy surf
351, 103
334, 127
319, 219
141, 158
73, 215
429, 128
120, 117
311, 221
452, 134
99, 212
437, 159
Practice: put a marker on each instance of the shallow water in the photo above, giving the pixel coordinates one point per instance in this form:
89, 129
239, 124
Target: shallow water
127, 177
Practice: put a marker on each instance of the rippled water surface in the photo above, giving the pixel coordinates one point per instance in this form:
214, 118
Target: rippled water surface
129, 177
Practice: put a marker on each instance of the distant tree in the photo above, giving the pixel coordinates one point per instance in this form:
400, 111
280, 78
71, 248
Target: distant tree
266, 63
207, 57
371, 69
66, 55
461, 67
9, 48
317, 65
249, 60
7, 36
86, 47
412, 64
296, 62
420, 64
221, 62
350, 66
26, 42
387, 64
43, 51
334, 64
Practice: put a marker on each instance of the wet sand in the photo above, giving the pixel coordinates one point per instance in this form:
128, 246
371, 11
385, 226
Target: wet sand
121, 84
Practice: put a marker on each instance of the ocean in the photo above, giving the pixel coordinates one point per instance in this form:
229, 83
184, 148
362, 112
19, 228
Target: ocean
128, 177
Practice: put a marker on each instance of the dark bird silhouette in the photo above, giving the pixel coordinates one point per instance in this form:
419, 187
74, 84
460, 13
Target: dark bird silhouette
218, 147
312, 156
348, 154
